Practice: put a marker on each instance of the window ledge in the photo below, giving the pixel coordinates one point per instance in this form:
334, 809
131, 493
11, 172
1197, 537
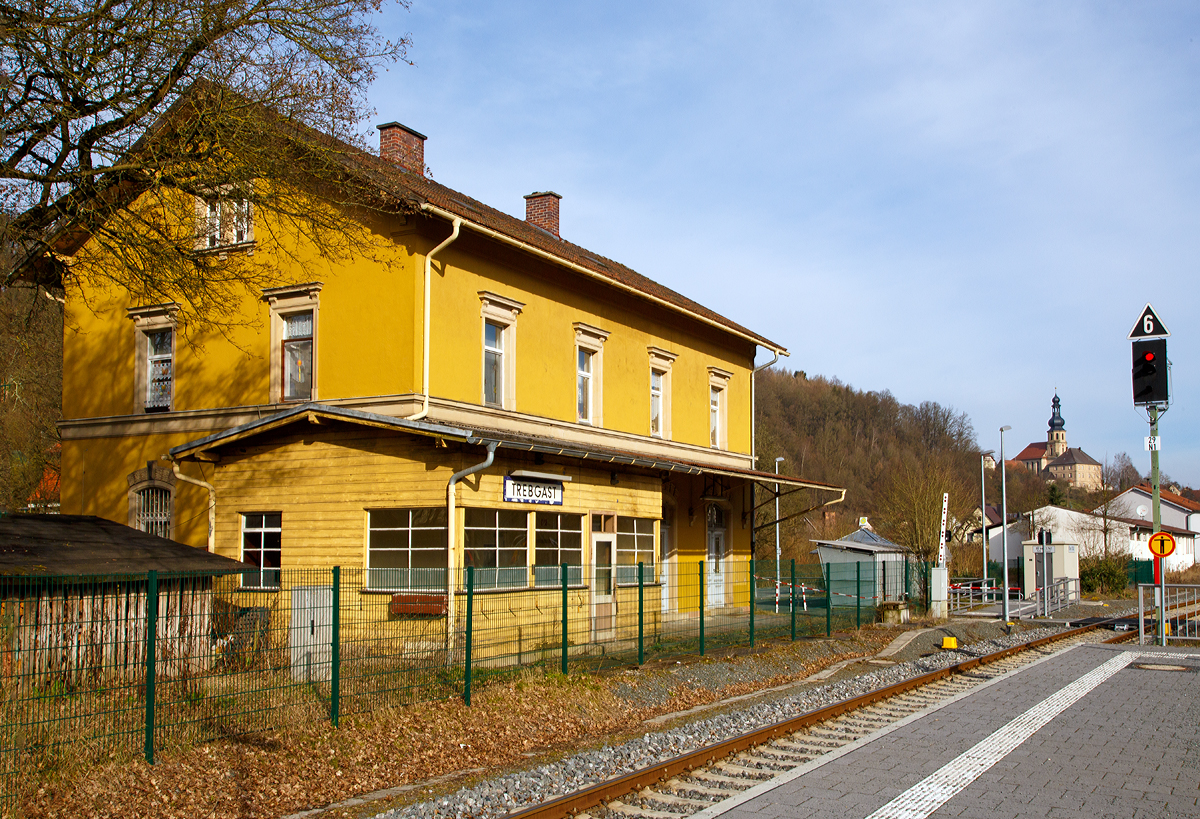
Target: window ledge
236, 247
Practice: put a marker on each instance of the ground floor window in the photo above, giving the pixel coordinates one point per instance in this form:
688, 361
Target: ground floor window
406, 549
559, 539
153, 512
262, 534
635, 544
496, 543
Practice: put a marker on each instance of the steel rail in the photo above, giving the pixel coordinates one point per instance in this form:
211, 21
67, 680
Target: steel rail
610, 789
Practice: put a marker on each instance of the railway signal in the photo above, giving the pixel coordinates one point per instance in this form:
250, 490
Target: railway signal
1150, 372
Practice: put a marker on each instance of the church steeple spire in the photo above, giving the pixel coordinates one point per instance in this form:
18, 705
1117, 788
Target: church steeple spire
1056, 435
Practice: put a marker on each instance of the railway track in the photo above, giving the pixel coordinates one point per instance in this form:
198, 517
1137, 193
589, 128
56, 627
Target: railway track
690, 783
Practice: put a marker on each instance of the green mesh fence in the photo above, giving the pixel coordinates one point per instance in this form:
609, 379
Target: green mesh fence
99, 668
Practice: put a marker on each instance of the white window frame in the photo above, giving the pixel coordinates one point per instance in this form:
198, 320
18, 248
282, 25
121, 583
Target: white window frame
284, 302
152, 482
288, 338
225, 220
262, 550
154, 318
718, 407
589, 339
501, 312
372, 571
661, 362
644, 546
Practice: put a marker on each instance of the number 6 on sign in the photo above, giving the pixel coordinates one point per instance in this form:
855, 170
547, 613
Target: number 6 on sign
1162, 544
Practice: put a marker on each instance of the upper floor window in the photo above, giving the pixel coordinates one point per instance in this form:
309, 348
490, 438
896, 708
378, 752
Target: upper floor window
295, 326
589, 373
298, 356
159, 373
660, 392
583, 385
493, 364
718, 410
225, 220
154, 356
499, 349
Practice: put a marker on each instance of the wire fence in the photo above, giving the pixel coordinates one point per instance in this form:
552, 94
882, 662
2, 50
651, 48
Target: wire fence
114, 667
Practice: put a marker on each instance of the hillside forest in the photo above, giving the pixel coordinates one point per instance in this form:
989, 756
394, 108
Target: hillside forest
895, 461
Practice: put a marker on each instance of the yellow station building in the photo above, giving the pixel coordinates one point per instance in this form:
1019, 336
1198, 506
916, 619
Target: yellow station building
477, 391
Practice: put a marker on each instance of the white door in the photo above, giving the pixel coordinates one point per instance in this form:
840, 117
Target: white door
714, 565
604, 547
311, 632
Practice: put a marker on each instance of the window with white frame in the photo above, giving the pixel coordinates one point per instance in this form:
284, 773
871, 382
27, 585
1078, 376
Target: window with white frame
558, 539
406, 549
499, 349
583, 385
297, 356
225, 220
262, 541
718, 410
160, 357
295, 327
154, 358
635, 544
495, 542
660, 391
493, 364
589, 373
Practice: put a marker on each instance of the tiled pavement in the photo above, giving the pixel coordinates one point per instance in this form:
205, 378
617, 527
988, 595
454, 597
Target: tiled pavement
1130, 747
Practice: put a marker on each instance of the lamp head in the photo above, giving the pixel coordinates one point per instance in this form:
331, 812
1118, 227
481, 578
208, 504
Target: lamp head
1005, 428
780, 458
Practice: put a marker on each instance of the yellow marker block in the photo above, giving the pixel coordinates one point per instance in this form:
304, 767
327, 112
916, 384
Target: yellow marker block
949, 642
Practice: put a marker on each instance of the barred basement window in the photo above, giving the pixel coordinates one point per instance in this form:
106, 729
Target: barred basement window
153, 514
635, 544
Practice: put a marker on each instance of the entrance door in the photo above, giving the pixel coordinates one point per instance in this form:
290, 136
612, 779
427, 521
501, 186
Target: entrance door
715, 562
604, 546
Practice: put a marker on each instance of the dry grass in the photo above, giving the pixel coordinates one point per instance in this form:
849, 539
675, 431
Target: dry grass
1189, 576
278, 772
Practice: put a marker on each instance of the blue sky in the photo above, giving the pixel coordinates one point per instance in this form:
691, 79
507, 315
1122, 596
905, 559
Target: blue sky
961, 202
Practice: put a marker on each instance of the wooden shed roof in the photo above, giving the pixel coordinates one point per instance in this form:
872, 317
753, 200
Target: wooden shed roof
86, 545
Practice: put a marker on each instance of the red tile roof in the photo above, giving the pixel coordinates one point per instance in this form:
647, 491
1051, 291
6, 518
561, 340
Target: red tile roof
1170, 497
1033, 452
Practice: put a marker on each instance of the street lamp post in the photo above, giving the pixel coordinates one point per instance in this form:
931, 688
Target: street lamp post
777, 552
1004, 520
983, 516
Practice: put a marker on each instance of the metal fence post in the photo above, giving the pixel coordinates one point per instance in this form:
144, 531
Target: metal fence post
792, 598
470, 616
858, 594
564, 619
151, 670
907, 580
702, 608
641, 616
753, 596
828, 599
335, 687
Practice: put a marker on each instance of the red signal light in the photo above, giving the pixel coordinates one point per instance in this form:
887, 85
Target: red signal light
1149, 356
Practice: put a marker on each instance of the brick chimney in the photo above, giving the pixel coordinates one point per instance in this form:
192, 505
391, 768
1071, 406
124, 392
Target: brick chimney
403, 146
541, 210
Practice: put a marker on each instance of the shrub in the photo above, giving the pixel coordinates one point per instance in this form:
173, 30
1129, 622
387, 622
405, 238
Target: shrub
1103, 574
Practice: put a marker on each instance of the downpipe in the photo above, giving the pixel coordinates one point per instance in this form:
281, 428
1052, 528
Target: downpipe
451, 539
425, 323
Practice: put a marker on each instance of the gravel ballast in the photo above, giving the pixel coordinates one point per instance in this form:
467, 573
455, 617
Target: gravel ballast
497, 797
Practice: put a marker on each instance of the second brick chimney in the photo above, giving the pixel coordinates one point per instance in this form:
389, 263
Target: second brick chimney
541, 210
402, 145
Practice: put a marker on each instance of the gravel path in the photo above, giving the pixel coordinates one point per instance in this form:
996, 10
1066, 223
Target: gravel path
496, 797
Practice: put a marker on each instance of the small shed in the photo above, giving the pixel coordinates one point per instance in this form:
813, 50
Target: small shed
862, 557
73, 600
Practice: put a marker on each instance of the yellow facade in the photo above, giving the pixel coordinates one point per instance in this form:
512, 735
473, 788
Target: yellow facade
229, 434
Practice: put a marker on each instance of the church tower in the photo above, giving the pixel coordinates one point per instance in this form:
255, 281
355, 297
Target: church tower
1056, 436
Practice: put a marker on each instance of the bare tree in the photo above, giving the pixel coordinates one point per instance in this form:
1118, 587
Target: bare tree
1120, 474
910, 506
117, 118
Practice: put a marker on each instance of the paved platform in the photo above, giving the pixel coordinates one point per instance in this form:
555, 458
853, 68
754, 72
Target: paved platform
1093, 732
